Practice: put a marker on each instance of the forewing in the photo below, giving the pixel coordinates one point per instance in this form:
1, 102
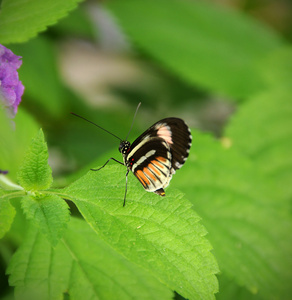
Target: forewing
176, 134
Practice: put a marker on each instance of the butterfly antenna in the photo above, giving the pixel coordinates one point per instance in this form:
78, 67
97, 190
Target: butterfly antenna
133, 120
96, 125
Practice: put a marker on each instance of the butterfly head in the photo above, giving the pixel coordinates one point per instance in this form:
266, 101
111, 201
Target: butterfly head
124, 147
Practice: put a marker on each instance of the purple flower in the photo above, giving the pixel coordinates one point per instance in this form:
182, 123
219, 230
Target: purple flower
11, 88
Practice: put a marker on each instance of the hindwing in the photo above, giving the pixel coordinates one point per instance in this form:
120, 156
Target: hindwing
150, 161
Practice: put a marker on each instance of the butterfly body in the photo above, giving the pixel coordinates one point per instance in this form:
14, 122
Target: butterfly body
157, 153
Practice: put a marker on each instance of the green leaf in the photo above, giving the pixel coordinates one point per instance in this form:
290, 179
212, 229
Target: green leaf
48, 212
205, 44
18, 228
22, 20
230, 290
37, 270
266, 137
15, 137
46, 91
276, 68
7, 213
163, 235
35, 173
81, 265
249, 230
77, 24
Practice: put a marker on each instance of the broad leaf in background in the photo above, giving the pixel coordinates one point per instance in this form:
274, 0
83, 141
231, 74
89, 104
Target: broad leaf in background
7, 213
35, 173
230, 290
248, 228
205, 44
15, 137
276, 68
163, 235
266, 137
76, 24
81, 265
40, 76
48, 212
22, 20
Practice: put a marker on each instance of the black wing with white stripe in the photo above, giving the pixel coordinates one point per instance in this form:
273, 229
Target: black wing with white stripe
176, 133
158, 152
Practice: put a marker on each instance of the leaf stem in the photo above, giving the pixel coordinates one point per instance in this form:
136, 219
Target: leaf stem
7, 184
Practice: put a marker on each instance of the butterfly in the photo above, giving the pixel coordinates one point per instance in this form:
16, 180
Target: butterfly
156, 154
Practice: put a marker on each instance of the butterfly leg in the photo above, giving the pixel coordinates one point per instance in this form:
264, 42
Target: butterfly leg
107, 163
126, 187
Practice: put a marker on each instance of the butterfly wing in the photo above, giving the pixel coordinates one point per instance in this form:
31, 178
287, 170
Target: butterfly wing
158, 152
176, 134
150, 161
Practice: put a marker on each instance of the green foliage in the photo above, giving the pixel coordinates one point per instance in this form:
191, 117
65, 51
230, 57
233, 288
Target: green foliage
49, 212
35, 173
90, 269
235, 216
76, 24
249, 230
40, 76
167, 229
206, 45
7, 213
272, 154
228, 290
22, 20
276, 68
87, 268
15, 137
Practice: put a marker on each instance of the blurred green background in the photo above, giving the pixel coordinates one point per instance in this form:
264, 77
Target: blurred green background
87, 64
211, 63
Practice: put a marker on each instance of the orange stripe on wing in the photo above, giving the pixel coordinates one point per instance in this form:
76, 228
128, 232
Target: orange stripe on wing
141, 180
149, 173
141, 176
161, 158
154, 169
158, 162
